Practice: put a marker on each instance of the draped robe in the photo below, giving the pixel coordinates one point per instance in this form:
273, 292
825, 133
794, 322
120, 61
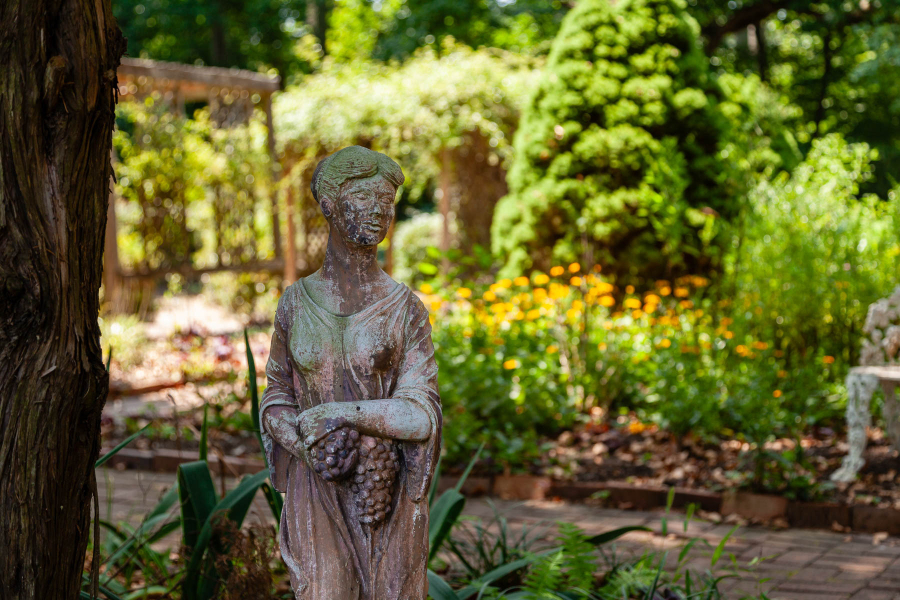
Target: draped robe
383, 351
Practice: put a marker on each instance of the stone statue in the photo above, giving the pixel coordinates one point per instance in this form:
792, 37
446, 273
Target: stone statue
351, 418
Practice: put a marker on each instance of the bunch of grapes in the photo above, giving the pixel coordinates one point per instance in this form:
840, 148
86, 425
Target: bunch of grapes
335, 455
373, 483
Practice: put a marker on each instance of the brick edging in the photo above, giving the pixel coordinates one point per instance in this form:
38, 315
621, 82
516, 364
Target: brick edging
763, 507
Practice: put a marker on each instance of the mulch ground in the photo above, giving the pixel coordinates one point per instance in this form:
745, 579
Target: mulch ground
630, 452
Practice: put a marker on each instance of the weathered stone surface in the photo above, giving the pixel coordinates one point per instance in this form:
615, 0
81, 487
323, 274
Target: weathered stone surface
351, 417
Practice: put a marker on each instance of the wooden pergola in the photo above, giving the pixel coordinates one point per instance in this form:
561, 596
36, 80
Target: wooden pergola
232, 95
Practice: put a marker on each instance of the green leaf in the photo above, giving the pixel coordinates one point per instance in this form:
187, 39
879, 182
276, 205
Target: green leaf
198, 497
469, 468
500, 572
109, 359
651, 591
427, 268
276, 502
438, 588
442, 517
236, 502
609, 536
115, 450
717, 554
154, 590
204, 434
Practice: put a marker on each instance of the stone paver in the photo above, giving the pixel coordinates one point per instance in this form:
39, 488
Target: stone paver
799, 564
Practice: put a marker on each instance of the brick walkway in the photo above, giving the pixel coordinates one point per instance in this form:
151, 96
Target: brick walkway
799, 564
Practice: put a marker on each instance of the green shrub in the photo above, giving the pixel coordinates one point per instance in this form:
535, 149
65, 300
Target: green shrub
619, 149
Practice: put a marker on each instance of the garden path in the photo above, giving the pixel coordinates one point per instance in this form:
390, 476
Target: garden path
799, 564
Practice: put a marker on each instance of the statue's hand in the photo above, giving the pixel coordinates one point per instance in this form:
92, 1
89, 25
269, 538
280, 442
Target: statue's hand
317, 422
282, 426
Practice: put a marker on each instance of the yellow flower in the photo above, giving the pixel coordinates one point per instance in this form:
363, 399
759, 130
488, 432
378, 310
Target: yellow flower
463, 292
651, 299
557, 271
742, 349
540, 294
426, 288
604, 287
650, 308
504, 283
777, 393
572, 314
637, 314
436, 305
510, 364
686, 304
552, 349
665, 342
576, 281
521, 280
490, 296
601, 346
533, 314
665, 290
629, 289
631, 303
578, 305
574, 268
541, 279
607, 301
681, 292
729, 335
558, 291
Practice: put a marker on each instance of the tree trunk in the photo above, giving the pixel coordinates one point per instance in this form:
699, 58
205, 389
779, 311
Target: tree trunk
58, 61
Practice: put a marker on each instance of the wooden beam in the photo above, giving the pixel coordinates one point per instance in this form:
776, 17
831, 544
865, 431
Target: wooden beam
275, 170
290, 247
444, 207
210, 76
273, 266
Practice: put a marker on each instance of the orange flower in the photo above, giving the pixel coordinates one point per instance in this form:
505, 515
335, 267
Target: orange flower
574, 268
777, 393
782, 373
552, 349
631, 303
557, 271
681, 292
510, 364
541, 279
629, 289
576, 281
607, 301
665, 342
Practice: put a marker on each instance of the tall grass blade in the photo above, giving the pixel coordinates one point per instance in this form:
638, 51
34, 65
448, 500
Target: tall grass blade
438, 588
204, 433
124, 443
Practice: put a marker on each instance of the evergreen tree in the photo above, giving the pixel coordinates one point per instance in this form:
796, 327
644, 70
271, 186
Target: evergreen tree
619, 155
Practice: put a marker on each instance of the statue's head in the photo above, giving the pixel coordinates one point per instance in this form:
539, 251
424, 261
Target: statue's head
355, 187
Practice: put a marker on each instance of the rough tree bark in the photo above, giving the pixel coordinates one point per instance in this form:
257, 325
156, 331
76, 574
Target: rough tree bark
58, 61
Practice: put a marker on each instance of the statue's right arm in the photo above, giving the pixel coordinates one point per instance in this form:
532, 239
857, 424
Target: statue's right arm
279, 406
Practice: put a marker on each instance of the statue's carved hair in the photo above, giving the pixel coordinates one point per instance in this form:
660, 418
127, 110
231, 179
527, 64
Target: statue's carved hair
352, 162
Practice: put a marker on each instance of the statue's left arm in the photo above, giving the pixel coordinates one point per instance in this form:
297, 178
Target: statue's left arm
412, 414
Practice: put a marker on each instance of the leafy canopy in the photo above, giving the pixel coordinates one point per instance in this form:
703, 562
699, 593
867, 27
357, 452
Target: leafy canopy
618, 154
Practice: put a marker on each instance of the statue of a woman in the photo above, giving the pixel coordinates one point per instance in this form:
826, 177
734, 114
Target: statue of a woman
351, 417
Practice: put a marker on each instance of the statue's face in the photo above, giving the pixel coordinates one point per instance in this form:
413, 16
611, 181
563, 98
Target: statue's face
365, 210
